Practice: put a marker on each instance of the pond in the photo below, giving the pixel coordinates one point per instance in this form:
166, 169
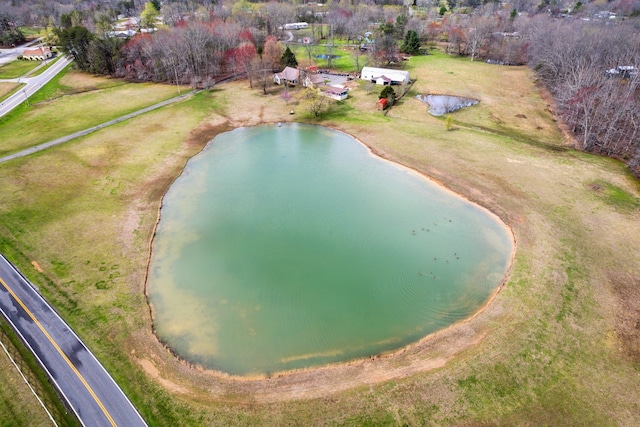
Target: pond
288, 247
443, 104
327, 56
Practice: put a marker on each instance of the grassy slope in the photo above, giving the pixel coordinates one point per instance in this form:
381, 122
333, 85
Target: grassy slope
15, 69
62, 108
548, 346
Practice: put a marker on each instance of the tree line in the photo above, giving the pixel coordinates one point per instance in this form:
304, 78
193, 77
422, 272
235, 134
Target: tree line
570, 46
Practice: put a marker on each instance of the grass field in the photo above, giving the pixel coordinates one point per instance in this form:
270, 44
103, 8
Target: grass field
346, 62
18, 68
557, 346
32, 32
62, 108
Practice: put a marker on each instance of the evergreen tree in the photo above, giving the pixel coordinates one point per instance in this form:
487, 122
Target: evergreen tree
388, 93
75, 41
411, 44
288, 59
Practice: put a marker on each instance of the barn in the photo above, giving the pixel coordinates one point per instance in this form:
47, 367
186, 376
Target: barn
384, 76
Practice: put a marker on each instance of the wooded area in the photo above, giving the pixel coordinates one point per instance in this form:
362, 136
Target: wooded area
586, 54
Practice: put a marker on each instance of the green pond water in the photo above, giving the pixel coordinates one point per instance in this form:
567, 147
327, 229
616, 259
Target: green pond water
290, 247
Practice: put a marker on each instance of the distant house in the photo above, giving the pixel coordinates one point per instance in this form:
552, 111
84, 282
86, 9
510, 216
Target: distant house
37, 54
604, 14
384, 76
123, 34
296, 26
623, 71
287, 76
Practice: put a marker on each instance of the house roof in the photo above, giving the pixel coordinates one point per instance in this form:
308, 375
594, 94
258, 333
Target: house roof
289, 74
36, 51
388, 72
333, 90
316, 78
384, 78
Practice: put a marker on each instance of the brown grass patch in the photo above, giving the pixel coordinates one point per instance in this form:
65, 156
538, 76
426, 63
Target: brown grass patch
7, 88
37, 266
626, 287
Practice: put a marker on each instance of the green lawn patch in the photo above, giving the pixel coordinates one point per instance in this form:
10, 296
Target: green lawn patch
48, 65
17, 68
615, 196
31, 32
60, 108
345, 61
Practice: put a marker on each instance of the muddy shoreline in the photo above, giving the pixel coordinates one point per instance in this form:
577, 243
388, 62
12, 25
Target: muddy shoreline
320, 381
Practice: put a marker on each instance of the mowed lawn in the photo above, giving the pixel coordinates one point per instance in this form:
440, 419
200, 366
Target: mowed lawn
76, 102
509, 104
557, 346
17, 68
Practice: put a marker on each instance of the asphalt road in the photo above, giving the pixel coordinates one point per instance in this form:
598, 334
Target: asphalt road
31, 85
83, 382
11, 54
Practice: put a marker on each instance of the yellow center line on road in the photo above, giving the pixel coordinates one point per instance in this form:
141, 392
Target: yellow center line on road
62, 353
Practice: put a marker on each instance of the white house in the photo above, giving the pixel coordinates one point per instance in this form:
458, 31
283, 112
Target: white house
296, 26
334, 92
287, 76
384, 76
623, 71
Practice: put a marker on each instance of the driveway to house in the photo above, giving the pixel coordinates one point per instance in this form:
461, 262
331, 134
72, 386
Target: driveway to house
31, 85
83, 382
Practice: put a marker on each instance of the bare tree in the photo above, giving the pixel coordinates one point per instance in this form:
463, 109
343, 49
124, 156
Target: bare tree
314, 101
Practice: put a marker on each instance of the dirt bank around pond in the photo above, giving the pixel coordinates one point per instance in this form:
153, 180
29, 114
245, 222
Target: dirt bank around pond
431, 352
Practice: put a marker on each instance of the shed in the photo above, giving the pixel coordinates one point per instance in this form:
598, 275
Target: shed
382, 104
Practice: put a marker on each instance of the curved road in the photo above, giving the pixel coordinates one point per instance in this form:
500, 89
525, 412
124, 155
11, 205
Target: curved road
83, 382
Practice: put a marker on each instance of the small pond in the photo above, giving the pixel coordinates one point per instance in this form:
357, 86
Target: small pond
443, 104
291, 247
